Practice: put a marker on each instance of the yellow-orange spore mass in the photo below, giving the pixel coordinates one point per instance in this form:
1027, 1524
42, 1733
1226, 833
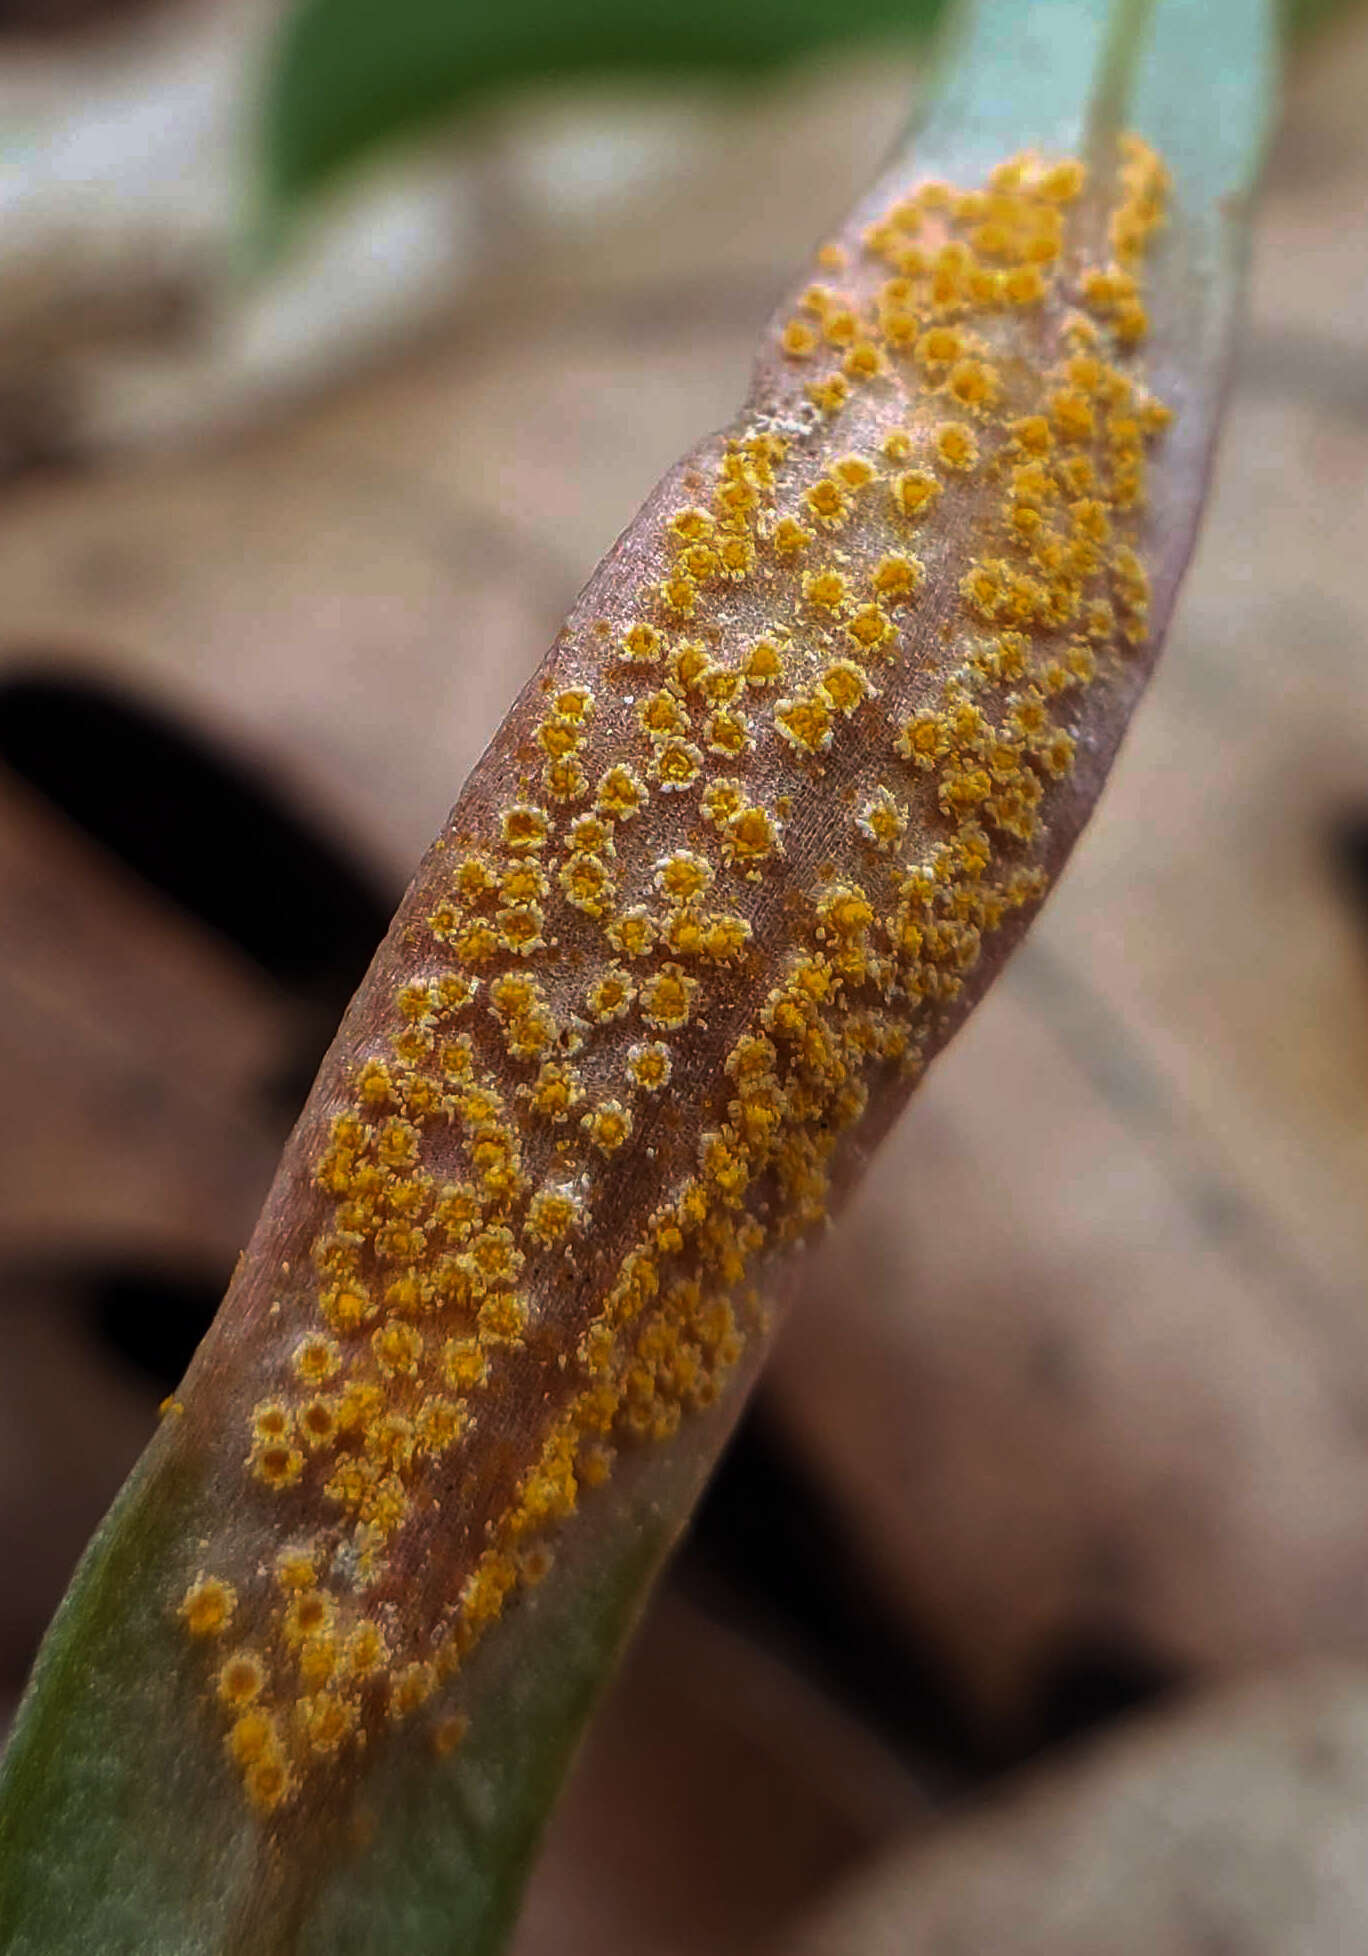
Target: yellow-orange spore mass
717, 892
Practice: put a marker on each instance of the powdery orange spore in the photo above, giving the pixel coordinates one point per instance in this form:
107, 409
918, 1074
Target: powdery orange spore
885, 598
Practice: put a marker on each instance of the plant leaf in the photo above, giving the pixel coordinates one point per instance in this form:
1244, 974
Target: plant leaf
349, 77
409, 1388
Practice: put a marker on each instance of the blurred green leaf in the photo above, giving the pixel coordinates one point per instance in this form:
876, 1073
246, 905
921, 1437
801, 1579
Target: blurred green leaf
352, 75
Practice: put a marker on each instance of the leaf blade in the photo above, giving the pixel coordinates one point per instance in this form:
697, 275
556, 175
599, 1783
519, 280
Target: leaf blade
121, 1825
348, 78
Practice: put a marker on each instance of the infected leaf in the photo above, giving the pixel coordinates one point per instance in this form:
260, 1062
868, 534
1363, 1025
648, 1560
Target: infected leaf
817, 737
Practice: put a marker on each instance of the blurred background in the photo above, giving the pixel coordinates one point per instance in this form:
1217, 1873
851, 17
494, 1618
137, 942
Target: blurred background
336, 345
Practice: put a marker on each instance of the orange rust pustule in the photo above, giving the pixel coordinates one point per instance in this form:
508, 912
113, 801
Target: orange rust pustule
745, 838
